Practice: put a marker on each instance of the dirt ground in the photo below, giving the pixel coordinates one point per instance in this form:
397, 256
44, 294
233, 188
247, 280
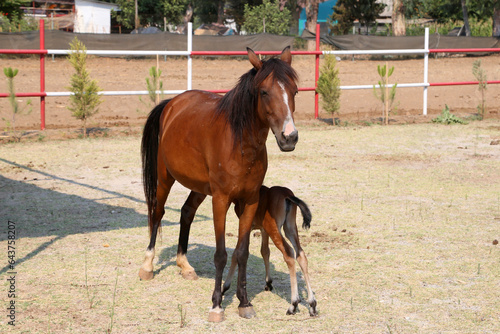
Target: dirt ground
128, 113
403, 237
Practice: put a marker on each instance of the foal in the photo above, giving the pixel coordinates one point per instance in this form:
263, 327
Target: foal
278, 209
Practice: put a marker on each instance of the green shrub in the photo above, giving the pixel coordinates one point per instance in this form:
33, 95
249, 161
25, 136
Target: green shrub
85, 98
447, 117
16, 110
383, 93
480, 76
329, 85
153, 84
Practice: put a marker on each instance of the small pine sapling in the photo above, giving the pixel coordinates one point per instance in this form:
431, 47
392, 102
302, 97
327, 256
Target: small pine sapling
154, 86
383, 93
480, 76
85, 98
16, 110
329, 85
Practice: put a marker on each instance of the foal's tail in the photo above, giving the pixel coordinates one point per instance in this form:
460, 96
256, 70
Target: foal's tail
149, 154
304, 209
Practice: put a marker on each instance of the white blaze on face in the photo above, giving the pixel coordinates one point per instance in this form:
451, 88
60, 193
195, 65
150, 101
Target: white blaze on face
288, 125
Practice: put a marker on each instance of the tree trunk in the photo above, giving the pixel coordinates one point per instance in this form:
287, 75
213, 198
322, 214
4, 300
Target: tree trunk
137, 23
496, 22
311, 21
398, 19
220, 12
466, 18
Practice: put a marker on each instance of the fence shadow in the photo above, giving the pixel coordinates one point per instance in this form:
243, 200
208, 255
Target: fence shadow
40, 212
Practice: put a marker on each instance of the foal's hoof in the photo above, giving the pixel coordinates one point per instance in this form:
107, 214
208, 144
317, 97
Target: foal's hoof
145, 275
189, 275
312, 311
216, 315
246, 312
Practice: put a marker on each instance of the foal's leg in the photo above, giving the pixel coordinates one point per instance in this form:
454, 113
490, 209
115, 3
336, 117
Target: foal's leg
289, 258
146, 271
188, 212
230, 274
264, 251
291, 233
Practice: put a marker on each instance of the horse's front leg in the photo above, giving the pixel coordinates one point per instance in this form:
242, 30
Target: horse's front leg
241, 252
220, 205
188, 212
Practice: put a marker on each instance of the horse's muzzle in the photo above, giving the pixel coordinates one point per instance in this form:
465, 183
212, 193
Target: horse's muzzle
287, 143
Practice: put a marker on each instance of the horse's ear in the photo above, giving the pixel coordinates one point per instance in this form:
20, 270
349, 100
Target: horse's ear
286, 55
254, 59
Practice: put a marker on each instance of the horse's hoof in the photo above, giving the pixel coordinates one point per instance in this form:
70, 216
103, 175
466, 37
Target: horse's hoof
246, 312
268, 287
189, 275
145, 275
216, 315
292, 309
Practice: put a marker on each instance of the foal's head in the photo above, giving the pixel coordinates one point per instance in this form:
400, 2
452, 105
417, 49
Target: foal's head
276, 88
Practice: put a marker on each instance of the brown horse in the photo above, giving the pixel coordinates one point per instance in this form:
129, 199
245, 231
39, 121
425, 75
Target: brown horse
278, 209
216, 145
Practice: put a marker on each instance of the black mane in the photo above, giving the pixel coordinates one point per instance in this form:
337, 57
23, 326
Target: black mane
239, 105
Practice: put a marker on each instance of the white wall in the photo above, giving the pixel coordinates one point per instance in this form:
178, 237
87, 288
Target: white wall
93, 17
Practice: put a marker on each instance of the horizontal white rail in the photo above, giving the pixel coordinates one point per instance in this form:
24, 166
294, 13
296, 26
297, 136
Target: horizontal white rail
109, 93
377, 52
123, 52
402, 85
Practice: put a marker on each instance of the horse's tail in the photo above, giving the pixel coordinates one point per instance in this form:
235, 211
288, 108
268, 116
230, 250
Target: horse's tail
149, 154
304, 209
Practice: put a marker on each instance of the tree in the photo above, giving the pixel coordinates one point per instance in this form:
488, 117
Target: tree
311, 20
267, 18
236, 10
496, 20
456, 10
466, 18
341, 19
348, 11
16, 110
398, 18
85, 99
12, 8
125, 16
329, 85
209, 11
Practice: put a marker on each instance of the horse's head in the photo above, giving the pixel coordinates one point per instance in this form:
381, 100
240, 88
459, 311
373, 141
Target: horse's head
276, 86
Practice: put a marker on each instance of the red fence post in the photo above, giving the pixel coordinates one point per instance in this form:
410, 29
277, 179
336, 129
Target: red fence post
316, 76
42, 75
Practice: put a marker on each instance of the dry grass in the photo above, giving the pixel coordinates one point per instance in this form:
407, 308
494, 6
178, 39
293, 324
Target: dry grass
401, 239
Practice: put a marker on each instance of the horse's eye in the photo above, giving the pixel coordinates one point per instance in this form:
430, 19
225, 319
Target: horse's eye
263, 93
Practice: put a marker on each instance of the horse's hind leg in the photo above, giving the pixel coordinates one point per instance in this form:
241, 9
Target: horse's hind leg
146, 271
188, 212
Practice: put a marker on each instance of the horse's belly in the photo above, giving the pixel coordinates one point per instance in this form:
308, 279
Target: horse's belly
197, 149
